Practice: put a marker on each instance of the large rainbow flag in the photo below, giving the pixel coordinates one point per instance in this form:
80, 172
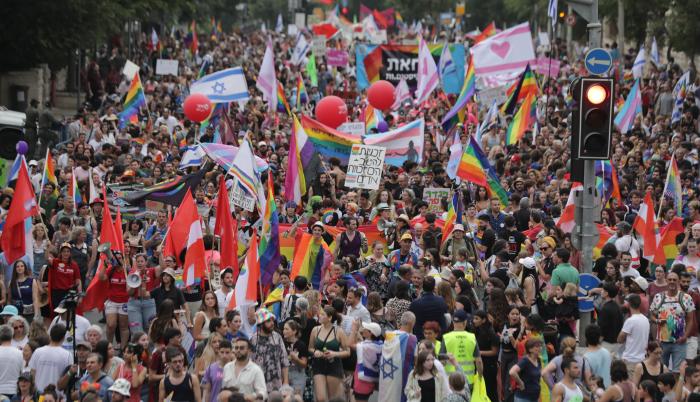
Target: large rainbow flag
673, 188
522, 121
327, 141
456, 113
372, 118
269, 248
475, 167
305, 265
135, 99
526, 85
49, 175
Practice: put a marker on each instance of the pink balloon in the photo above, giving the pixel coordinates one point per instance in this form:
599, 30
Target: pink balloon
197, 107
381, 95
332, 111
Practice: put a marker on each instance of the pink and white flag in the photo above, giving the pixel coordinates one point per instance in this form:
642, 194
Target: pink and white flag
427, 77
401, 94
267, 80
505, 53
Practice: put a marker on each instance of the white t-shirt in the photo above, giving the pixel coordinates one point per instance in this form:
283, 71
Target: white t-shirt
82, 325
11, 363
631, 272
49, 363
637, 329
223, 299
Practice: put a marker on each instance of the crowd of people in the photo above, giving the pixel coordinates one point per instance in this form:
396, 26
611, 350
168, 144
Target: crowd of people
489, 311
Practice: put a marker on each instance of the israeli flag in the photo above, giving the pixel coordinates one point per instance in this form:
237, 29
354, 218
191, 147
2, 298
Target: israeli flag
280, 24
193, 156
222, 86
300, 50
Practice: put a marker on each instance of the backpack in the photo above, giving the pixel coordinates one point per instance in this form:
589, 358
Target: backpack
680, 299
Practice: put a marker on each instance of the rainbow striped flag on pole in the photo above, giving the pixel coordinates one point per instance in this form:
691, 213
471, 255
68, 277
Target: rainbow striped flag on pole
523, 120
673, 188
135, 99
456, 114
526, 85
475, 167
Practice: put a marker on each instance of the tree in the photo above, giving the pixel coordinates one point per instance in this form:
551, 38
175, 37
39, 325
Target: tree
683, 27
642, 18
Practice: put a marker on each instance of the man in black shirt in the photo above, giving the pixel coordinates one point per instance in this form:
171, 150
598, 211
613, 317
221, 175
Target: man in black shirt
610, 318
514, 238
484, 236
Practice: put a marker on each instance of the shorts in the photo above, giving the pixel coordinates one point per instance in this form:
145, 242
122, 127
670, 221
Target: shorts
116, 308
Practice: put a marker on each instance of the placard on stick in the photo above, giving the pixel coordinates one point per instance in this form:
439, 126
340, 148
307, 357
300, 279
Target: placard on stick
365, 167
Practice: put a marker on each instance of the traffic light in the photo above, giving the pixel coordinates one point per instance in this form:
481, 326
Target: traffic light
344, 11
593, 120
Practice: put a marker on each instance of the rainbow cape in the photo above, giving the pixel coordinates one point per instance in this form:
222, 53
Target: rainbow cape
311, 259
49, 175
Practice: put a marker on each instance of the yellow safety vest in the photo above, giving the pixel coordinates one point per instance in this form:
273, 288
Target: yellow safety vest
461, 345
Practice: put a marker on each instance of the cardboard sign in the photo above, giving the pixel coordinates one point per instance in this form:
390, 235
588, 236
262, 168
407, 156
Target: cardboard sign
336, 58
378, 38
300, 20
353, 127
365, 167
130, 68
292, 30
241, 199
318, 46
166, 67
486, 96
433, 196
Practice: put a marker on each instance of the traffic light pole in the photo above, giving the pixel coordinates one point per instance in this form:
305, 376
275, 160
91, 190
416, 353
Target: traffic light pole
585, 200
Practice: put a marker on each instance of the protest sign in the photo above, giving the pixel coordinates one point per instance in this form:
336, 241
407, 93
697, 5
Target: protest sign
365, 167
547, 66
318, 46
292, 30
166, 67
486, 96
433, 196
241, 199
336, 58
353, 127
130, 68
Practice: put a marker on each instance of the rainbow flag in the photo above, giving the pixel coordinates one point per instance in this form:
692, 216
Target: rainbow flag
214, 33
49, 175
282, 104
372, 118
523, 120
295, 180
454, 216
74, 191
673, 188
456, 114
191, 38
370, 231
475, 167
302, 95
488, 32
304, 265
327, 141
269, 248
667, 251
630, 109
608, 184
135, 99
526, 85
204, 68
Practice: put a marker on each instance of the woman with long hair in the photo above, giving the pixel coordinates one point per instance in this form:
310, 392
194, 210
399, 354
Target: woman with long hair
298, 354
498, 307
133, 371
445, 290
488, 343
377, 311
622, 389
464, 288
208, 310
425, 383
165, 319
328, 346
651, 367
110, 362
398, 304
209, 354
24, 291
41, 246
372, 268
26, 390
511, 333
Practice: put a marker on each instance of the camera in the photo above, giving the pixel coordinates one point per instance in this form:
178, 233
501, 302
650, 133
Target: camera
70, 300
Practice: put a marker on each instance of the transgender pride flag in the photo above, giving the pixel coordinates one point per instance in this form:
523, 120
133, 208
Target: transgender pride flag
630, 110
402, 144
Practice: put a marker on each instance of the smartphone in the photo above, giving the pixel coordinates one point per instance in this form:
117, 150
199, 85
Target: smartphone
443, 356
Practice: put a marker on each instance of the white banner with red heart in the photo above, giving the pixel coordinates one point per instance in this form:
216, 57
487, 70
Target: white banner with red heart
506, 53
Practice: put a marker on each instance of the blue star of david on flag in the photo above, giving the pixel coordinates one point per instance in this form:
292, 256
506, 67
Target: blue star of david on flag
218, 88
388, 368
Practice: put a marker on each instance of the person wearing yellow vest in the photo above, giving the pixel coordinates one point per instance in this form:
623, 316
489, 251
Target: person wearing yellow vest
462, 345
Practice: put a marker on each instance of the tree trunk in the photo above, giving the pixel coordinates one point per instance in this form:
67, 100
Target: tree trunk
621, 27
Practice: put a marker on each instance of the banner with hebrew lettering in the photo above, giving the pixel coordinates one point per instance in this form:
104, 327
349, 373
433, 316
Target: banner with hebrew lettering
396, 62
365, 167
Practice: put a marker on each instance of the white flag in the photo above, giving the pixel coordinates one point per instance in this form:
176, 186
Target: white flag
427, 76
401, 94
280, 24
300, 49
267, 80
639, 62
655, 53
552, 11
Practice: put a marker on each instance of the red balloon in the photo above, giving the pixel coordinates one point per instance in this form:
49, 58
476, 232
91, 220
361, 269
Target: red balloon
332, 111
381, 95
197, 107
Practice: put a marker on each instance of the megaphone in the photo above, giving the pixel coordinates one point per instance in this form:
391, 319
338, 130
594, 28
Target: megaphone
104, 247
383, 225
133, 280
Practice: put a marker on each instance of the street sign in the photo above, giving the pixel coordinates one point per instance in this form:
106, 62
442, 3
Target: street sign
586, 282
598, 61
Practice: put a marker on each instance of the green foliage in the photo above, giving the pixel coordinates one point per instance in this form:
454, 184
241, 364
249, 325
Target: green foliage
642, 18
418, 9
683, 26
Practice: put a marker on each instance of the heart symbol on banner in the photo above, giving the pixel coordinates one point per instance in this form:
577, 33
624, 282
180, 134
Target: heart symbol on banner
501, 49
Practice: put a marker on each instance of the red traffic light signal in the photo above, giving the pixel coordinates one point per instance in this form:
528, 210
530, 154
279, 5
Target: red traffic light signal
596, 94
344, 10
593, 123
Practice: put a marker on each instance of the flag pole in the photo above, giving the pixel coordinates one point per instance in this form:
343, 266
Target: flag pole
663, 194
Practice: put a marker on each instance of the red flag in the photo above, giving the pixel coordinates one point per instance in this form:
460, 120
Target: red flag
326, 29
119, 232
179, 229
668, 250
23, 206
566, 221
645, 225
194, 266
380, 19
97, 292
226, 228
246, 290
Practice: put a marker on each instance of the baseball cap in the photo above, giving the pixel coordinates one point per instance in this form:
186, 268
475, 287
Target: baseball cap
170, 272
33, 163
642, 283
460, 316
458, 226
527, 262
406, 236
372, 327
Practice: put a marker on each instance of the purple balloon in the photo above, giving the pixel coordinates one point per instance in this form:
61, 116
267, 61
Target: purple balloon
22, 147
382, 127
